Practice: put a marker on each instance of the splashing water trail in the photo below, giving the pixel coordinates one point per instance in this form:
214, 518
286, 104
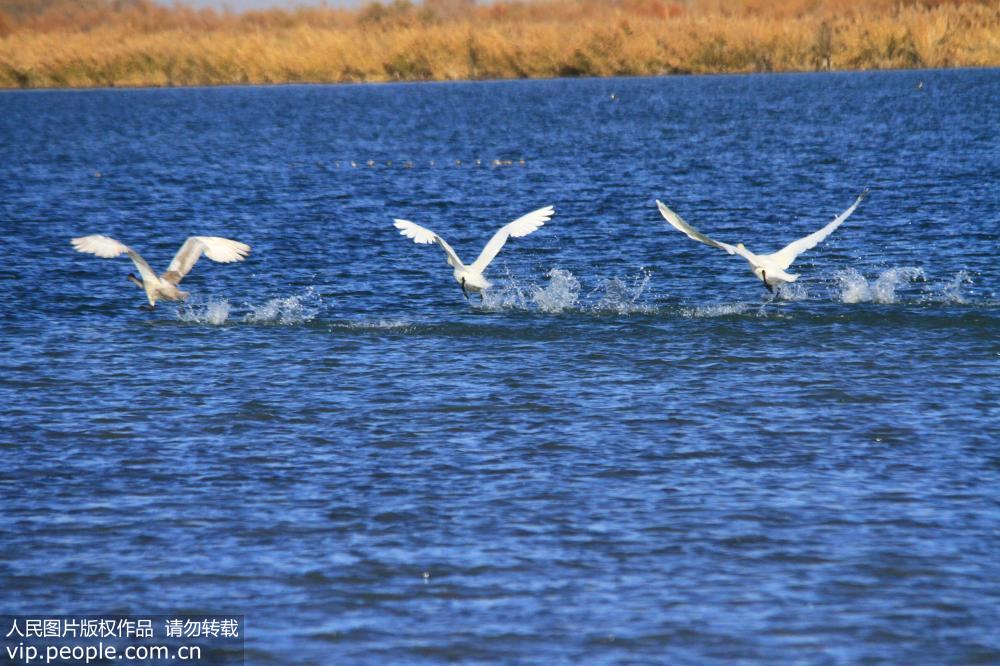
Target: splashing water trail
510, 296
213, 311
888, 281
623, 298
296, 309
855, 288
216, 311
951, 292
561, 293
375, 325
719, 310
792, 291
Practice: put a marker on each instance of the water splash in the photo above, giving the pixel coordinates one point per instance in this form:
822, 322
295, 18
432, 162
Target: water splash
855, 288
285, 311
623, 298
560, 294
213, 311
509, 296
884, 289
792, 291
951, 291
295, 309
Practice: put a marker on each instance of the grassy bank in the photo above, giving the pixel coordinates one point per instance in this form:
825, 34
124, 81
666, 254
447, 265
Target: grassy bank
141, 44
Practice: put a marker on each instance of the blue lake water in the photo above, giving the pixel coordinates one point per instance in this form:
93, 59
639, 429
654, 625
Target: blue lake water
628, 451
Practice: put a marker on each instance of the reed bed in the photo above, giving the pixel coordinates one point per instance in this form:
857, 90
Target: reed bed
148, 45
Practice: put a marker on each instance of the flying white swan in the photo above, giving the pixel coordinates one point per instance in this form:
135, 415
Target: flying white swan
769, 268
471, 277
164, 286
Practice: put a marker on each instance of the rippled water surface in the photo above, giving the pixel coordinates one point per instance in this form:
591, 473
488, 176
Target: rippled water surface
628, 451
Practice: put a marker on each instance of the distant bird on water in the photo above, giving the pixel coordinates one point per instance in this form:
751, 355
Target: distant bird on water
769, 268
471, 277
164, 286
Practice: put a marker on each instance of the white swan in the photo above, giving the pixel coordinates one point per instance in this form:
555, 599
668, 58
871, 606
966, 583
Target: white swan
769, 268
164, 286
471, 277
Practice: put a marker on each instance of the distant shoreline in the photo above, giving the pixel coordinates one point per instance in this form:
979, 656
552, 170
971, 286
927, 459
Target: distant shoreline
174, 49
11, 89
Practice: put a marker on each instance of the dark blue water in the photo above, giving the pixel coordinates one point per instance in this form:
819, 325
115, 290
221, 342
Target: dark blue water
629, 452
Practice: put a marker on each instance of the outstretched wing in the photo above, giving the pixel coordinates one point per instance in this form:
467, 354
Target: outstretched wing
109, 248
425, 236
218, 249
677, 222
785, 256
522, 226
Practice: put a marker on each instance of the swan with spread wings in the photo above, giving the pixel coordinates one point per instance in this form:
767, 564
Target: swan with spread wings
164, 286
471, 277
771, 269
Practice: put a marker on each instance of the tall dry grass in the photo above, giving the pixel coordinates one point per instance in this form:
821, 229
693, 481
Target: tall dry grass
138, 43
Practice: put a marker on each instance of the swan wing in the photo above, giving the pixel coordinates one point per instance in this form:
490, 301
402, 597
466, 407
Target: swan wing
109, 248
522, 226
677, 222
785, 256
222, 250
424, 236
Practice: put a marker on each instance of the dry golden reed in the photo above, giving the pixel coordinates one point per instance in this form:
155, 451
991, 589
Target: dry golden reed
138, 43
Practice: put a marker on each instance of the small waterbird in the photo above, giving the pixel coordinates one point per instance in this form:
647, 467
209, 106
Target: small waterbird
471, 277
164, 286
769, 268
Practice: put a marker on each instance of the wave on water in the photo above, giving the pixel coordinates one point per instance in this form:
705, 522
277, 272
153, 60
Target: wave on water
562, 293
286, 311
